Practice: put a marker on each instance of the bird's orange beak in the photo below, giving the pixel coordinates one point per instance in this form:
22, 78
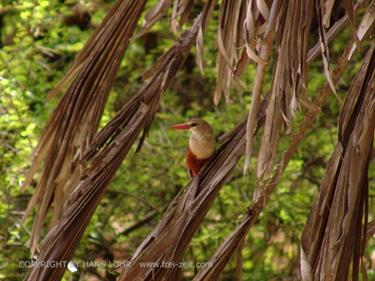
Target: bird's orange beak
182, 126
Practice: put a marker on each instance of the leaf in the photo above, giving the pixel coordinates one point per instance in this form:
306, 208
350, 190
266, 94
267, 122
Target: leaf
331, 34
289, 79
268, 185
206, 14
327, 8
332, 238
182, 9
265, 53
252, 27
366, 24
109, 148
73, 124
324, 47
349, 8
228, 43
170, 238
153, 15
305, 267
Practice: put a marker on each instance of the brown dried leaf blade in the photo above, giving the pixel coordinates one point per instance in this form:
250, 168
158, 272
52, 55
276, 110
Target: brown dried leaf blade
109, 149
74, 122
289, 78
334, 231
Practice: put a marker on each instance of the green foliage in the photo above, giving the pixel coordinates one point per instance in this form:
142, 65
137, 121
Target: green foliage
36, 48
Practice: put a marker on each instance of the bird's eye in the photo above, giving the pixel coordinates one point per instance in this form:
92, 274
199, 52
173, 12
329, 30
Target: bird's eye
193, 124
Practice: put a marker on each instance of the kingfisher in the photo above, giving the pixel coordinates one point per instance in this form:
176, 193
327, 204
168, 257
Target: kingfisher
201, 143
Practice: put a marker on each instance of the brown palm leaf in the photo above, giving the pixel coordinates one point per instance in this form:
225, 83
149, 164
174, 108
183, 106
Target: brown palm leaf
207, 12
230, 245
109, 149
180, 14
335, 232
254, 27
74, 122
170, 238
289, 78
154, 14
181, 10
367, 22
324, 44
229, 40
265, 48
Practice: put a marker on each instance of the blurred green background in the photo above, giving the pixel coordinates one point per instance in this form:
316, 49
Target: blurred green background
38, 41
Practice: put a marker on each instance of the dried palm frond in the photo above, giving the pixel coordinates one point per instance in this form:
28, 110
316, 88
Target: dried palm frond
207, 12
323, 44
154, 14
74, 122
333, 31
324, 10
350, 8
366, 24
229, 40
170, 238
327, 7
254, 27
265, 53
109, 149
242, 26
181, 9
335, 233
180, 14
293, 22
229, 246
289, 78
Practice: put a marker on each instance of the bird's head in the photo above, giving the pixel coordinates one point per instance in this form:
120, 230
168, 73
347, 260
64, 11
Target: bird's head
202, 139
195, 126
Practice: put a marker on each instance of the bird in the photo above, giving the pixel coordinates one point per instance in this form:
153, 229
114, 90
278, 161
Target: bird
201, 143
